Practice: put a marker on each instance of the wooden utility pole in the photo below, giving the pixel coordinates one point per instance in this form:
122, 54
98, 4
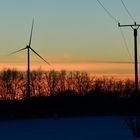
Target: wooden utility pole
135, 27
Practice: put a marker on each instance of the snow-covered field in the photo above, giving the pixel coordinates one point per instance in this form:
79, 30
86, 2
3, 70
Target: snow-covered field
84, 128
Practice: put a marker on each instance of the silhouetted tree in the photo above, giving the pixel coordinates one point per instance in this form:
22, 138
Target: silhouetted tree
82, 83
10, 81
13, 84
62, 81
52, 82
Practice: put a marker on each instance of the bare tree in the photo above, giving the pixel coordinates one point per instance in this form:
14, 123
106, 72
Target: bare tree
9, 80
52, 82
13, 84
82, 83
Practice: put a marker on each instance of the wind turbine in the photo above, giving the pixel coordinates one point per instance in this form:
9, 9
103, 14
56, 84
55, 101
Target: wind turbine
28, 47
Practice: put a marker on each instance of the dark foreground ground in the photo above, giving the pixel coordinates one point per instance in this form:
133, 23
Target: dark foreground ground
67, 128
42, 107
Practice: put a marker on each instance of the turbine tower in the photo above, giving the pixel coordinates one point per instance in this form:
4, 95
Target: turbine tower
28, 47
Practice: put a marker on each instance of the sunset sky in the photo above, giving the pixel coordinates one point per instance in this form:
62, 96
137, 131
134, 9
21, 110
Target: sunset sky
70, 34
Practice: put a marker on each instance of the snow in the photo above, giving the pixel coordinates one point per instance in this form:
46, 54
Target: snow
80, 128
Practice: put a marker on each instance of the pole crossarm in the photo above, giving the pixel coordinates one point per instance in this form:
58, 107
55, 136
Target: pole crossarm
129, 25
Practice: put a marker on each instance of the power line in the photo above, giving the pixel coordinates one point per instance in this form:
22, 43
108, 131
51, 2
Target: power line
125, 43
107, 11
138, 38
127, 11
121, 31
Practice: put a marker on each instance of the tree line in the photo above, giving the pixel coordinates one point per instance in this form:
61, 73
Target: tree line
13, 84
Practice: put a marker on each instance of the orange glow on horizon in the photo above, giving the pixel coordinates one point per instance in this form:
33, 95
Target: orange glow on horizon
99, 68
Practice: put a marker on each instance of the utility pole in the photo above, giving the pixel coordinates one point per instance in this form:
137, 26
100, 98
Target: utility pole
135, 27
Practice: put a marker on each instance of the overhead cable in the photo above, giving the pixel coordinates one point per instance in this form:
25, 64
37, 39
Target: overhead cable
121, 31
107, 11
127, 11
125, 43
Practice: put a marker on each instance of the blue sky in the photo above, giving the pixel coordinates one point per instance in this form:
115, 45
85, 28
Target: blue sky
66, 30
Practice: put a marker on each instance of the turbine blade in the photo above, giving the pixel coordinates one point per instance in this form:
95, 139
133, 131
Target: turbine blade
30, 41
40, 56
17, 51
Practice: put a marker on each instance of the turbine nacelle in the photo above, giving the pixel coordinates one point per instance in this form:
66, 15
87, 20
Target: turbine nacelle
27, 46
